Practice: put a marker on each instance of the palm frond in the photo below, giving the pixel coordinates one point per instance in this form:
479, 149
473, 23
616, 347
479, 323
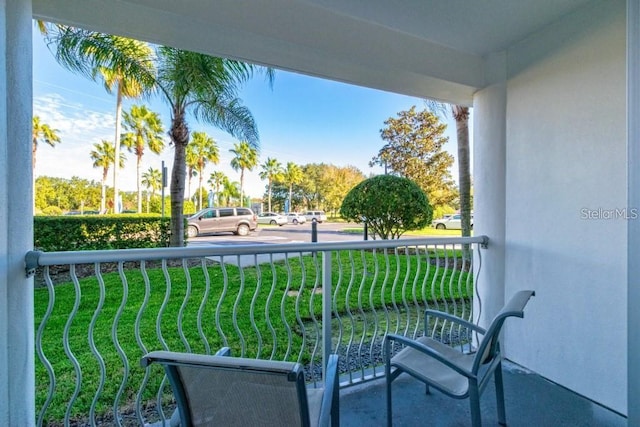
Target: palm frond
96, 55
229, 115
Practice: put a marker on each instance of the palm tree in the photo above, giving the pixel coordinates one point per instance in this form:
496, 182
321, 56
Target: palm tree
41, 132
122, 64
246, 158
103, 156
207, 87
271, 171
230, 189
144, 129
205, 150
191, 82
291, 176
191, 161
152, 180
460, 114
216, 180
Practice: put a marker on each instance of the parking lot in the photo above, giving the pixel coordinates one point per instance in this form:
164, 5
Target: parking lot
289, 233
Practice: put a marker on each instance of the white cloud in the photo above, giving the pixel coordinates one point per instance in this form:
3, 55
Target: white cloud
79, 128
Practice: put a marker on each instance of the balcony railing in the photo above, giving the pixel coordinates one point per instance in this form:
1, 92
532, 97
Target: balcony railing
98, 312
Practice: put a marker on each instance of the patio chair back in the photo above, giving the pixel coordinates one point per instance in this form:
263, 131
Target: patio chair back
233, 391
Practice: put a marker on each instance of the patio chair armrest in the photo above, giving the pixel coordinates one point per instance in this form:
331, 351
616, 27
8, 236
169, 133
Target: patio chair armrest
426, 350
329, 409
455, 319
224, 351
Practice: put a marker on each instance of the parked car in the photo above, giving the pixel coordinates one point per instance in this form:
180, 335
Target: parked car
318, 216
272, 218
450, 222
295, 218
236, 220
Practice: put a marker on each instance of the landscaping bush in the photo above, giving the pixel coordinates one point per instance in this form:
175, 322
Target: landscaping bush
389, 205
95, 232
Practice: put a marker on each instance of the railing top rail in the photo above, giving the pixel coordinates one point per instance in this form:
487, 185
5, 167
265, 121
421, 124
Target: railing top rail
38, 259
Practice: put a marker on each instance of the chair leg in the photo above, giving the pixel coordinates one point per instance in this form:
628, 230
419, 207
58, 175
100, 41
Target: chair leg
474, 402
502, 418
335, 404
387, 380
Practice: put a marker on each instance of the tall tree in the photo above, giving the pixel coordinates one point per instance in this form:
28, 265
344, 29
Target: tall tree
124, 66
460, 114
336, 182
103, 156
291, 176
230, 190
41, 132
188, 82
191, 162
152, 180
217, 180
207, 87
205, 150
245, 158
143, 130
312, 185
414, 149
271, 171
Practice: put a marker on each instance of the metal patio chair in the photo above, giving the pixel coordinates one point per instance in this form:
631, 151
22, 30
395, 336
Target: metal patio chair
456, 373
232, 391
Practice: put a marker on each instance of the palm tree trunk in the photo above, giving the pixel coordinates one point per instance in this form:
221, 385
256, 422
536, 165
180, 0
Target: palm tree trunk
200, 190
34, 147
103, 195
269, 195
461, 116
180, 138
116, 207
189, 183
242, 187
138, 183
290, 196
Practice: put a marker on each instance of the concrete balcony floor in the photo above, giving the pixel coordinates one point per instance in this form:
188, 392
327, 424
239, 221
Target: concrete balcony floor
530, 400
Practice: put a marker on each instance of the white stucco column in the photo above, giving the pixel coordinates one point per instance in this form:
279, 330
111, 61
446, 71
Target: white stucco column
633, 201
17, 385
489, 187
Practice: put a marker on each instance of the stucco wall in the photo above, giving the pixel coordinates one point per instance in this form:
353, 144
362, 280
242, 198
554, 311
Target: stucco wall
565, 178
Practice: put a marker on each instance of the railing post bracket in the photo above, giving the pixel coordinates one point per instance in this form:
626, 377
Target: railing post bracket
31, 262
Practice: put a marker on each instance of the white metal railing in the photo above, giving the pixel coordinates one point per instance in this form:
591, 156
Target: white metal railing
98, 312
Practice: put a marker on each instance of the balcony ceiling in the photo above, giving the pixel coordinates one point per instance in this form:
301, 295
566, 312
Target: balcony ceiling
423, 48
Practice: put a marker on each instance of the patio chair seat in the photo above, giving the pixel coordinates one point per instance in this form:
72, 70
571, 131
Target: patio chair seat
416, 364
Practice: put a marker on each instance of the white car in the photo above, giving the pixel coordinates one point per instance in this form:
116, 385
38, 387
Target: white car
450, 222
318, 216
272, 218
295, 218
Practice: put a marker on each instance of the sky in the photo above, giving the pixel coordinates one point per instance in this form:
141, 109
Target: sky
300, 119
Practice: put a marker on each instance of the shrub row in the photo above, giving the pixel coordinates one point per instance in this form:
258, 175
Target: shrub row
95, 232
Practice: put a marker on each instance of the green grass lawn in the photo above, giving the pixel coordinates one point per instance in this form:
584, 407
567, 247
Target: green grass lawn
258, 312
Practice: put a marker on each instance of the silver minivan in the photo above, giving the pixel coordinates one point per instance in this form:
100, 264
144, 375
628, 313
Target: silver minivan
318, 216
213, 220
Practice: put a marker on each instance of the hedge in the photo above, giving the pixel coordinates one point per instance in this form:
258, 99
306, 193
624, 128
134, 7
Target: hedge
95, 232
